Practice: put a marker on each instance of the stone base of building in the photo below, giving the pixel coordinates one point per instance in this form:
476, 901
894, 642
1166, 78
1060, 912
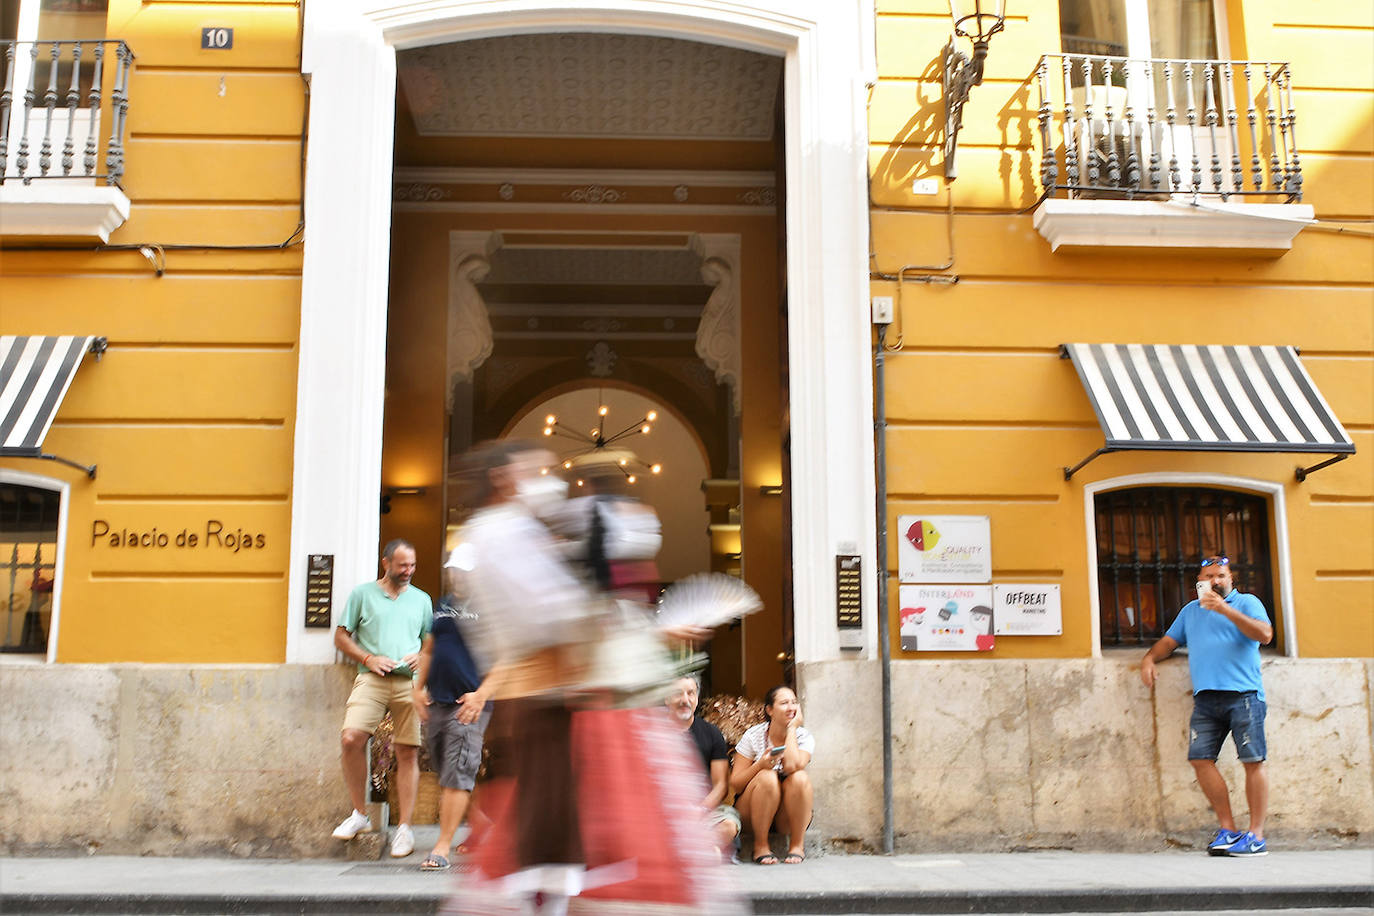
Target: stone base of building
995, 756
989, 756
172, 760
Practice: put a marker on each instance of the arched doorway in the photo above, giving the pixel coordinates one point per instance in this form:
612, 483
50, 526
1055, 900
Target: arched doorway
350, 53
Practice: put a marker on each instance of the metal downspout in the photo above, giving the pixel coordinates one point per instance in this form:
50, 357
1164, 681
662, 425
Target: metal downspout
884, 635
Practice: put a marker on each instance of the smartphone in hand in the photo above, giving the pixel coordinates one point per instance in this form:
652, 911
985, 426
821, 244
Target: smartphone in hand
775, 751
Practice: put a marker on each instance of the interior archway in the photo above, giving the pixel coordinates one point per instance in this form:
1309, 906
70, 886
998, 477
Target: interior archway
675, 494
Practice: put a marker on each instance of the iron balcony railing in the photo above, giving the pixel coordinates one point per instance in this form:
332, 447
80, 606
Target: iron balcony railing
1129, 128
51, 110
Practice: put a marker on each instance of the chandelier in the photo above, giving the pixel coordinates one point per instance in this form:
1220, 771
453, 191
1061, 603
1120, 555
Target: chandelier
594, 449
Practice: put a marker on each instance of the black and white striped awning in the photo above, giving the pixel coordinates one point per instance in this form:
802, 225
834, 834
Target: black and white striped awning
1187, 397
35, 373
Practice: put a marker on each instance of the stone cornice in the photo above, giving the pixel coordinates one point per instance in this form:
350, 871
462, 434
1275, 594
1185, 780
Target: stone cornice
61, 209
1264, 229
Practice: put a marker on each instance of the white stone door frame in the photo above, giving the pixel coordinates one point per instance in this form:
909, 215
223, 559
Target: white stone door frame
349, 54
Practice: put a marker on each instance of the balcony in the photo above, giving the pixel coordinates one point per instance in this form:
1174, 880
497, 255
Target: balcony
64, 109
1199, 154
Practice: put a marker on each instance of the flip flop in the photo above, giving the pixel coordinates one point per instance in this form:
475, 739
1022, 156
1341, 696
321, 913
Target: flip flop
766, 859
793, 858
434, 863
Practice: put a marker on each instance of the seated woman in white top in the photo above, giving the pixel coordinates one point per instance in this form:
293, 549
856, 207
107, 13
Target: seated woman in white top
772, 788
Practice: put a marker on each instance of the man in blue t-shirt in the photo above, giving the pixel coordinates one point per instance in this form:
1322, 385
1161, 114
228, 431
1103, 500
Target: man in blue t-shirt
1223, 630
453, 699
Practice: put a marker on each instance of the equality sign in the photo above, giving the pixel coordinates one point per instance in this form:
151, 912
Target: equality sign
1028, 609
944, 548
946, 618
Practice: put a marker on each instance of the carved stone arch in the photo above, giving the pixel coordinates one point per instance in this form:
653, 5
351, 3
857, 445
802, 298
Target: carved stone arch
469, 327
718, 332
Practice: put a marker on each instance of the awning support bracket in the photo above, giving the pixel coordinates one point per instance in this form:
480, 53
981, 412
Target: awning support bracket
1301, 473
88, 468
1069, 472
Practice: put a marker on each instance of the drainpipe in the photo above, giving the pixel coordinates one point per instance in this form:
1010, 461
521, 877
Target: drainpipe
884, 637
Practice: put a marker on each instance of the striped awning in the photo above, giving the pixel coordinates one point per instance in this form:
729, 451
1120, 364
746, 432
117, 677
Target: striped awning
35, 373
1187, 397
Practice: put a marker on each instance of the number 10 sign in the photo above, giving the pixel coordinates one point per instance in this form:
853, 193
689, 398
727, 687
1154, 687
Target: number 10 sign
216, 39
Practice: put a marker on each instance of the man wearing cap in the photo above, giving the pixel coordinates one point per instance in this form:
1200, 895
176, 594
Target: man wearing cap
383, 628
452, 698
1223, 630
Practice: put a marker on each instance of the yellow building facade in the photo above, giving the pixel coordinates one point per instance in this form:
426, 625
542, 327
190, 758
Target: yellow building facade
188, 415
979, 401
272, 272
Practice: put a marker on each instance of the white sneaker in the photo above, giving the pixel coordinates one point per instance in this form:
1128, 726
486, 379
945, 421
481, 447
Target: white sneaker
353, 825
403, 843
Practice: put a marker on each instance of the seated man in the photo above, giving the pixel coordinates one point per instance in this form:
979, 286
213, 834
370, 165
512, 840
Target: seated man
710, 743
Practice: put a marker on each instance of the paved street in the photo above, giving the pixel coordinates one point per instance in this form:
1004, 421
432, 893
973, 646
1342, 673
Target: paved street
1044, 882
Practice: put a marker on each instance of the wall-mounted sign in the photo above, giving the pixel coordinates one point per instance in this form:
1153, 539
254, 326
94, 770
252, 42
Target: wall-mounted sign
848, 592
944, 548
214, 38
946, 618
215, 535
319, 589
1029, 609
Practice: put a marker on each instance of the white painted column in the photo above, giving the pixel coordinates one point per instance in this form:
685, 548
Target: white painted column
336, 481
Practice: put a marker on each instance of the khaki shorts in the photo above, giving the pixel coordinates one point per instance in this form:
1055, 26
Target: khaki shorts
372, 696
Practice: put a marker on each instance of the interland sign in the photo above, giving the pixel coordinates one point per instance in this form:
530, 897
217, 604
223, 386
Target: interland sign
214, 535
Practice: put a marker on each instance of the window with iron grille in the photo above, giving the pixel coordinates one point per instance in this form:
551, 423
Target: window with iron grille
1149, 543
28, 565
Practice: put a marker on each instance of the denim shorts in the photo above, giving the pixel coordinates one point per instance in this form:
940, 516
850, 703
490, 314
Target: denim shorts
1217, 712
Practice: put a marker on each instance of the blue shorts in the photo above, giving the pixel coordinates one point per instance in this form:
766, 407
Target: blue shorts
1219, 712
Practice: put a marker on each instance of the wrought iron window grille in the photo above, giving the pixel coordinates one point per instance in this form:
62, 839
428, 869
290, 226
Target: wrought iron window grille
28, 529
1151, 542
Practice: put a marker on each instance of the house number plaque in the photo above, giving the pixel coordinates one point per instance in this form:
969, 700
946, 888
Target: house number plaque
216, 39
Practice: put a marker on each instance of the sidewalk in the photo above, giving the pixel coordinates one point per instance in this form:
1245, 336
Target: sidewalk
1038, 882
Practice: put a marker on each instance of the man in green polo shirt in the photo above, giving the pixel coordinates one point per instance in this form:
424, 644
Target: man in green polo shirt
384, 625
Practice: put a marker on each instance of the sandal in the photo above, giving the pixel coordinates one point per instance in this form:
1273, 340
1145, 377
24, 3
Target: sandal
793, 858
766, 859
433, 862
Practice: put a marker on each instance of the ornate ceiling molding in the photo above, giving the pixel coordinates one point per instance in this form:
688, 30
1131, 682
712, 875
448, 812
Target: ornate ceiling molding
571, 190
718, 332
586, 84
617, 177
469, 328
600, 266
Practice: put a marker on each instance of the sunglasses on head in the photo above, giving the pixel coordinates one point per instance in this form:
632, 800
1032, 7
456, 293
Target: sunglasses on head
1215, 561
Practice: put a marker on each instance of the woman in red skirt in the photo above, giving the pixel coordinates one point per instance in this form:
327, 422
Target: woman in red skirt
602, 816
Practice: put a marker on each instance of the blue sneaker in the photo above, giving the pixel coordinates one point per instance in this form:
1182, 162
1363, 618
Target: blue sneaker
1247, 845
1223, 840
